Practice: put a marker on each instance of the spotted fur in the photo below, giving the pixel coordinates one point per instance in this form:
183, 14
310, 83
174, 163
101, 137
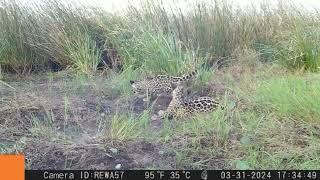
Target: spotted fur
180, 106
154, 86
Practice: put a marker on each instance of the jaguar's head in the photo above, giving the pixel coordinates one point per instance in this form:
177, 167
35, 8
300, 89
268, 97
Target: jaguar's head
138, 88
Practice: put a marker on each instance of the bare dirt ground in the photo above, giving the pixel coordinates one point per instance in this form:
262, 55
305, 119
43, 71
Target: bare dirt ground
57, 124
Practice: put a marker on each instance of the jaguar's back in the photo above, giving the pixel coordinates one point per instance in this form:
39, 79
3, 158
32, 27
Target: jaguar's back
159, 84
181, 106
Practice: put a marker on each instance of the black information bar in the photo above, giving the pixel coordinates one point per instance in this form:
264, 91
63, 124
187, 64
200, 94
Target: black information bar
172, 174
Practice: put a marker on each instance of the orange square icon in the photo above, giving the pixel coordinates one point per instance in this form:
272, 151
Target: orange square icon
12, 166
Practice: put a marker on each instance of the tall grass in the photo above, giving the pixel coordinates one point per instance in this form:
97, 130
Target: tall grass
220, 29
83, 53
216, 28
152, 52
302, 50
56, 31
154, 38
16, 25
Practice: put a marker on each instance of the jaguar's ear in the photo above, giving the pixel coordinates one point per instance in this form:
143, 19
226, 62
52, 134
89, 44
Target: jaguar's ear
131, 82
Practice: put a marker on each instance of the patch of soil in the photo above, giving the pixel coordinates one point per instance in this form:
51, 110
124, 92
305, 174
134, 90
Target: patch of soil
132, 155
157, 103
146, 154
138, 106
162, 102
